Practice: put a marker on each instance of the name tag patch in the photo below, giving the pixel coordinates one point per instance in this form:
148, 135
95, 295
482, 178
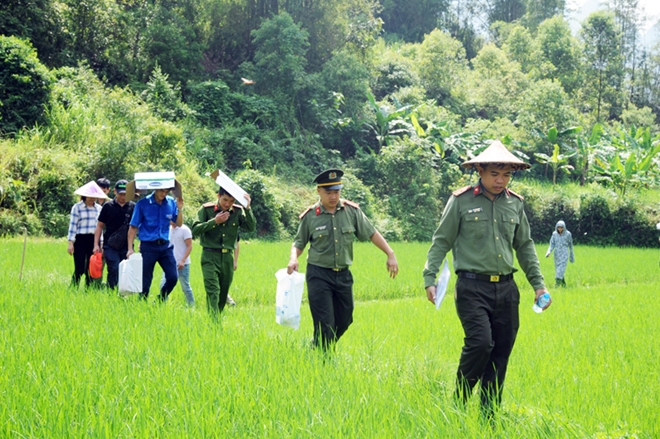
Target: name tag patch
475, 210
321, 228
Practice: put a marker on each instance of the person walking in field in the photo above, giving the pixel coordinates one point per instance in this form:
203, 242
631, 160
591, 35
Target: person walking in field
181, 243
329, 227
482, 225
113, 225
82, 225
151, 218
217, 227
561, 242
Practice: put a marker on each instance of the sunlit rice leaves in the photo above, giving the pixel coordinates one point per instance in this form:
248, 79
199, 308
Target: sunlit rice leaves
90, 364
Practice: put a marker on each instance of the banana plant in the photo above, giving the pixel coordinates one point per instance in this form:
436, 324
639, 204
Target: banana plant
388, 124
632, 162
557, 161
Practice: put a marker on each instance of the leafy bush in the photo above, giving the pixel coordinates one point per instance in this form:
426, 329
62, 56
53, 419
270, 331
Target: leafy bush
24, 85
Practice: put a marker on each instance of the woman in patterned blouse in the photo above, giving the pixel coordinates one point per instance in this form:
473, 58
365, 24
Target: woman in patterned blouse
84, 215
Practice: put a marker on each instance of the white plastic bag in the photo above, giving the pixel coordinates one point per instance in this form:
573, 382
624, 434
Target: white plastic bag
288, 298
130, 275
443, 281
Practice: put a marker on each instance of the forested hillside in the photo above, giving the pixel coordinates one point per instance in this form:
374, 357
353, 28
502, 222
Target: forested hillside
397, 92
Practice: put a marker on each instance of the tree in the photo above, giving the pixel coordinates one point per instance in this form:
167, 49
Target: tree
504, 10
442, 64
519, 47
279, 59
24, 85
557, 55
604, 65
410, 20
540, 10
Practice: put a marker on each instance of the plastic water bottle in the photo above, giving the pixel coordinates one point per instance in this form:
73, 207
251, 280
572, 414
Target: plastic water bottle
544, 299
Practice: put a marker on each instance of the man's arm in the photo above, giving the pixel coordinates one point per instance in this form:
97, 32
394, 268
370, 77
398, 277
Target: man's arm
179, 215
97, 236
293, 260
182, 262
392, 264
132, 230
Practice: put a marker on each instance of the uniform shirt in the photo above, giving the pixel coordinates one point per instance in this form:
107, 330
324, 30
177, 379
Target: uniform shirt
178, 236
113, 216
482, 235
83, 220
153, 219
330, 236
225, 235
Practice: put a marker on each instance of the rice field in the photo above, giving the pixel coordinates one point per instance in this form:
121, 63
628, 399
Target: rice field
86, 363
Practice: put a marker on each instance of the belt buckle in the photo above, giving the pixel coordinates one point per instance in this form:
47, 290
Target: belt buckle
336, 269
494, 278
224, 250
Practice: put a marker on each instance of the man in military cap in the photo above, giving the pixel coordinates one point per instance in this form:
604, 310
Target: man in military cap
330, 227
217, 227
483, 224
114, 218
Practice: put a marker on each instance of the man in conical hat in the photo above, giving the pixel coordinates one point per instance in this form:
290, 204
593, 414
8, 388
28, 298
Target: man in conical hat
482, 225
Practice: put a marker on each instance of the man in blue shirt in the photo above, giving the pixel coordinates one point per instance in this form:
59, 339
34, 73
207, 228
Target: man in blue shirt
151, 217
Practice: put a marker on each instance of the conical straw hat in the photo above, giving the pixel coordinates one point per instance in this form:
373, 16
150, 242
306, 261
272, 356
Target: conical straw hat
496, 153
91, 190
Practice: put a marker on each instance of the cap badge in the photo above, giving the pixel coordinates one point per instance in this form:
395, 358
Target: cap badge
332, 175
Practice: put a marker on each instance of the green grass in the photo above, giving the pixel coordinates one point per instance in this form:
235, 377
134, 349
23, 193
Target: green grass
90, 364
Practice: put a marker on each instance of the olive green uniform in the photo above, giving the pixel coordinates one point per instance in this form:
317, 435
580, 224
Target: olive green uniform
218, 243
482, 235
329, 281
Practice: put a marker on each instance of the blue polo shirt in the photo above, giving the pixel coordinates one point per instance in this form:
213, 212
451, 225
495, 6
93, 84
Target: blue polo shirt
153, 219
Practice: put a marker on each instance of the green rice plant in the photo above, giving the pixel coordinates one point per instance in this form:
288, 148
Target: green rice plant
87, 363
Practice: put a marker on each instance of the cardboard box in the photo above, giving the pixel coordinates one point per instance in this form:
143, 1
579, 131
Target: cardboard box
150, 181
228, 184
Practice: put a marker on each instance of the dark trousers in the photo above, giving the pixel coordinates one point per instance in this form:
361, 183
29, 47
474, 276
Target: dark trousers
112, 259
163, 254
83, 249
330, 295
218, 272
489, 315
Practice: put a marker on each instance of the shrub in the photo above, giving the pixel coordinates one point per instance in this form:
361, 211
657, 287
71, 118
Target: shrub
24, 85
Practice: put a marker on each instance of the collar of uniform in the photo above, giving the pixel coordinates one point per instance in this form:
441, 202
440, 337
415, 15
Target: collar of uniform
480, 189
340, 206
217, 208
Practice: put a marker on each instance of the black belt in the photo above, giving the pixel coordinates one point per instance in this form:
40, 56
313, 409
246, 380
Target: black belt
158, 241
217, 250
485, 277
332, 269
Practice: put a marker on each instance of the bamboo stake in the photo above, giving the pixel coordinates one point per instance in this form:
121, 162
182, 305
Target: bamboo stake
20, 276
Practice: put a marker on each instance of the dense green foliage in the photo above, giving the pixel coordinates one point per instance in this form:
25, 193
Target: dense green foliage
90, 364
397, 92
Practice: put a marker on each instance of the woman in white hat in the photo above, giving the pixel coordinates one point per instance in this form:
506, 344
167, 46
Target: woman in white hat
84, 215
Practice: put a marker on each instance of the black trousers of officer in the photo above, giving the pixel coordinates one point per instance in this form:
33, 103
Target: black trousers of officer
330, 295
489, 315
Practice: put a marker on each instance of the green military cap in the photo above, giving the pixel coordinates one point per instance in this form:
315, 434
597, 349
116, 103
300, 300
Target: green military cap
330, 179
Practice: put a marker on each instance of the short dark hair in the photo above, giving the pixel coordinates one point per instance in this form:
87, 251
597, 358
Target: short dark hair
103, 182
222, 191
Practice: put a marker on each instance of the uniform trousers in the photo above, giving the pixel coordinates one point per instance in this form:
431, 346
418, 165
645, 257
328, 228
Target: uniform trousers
218, 272
330, 295
152, 252
489, 315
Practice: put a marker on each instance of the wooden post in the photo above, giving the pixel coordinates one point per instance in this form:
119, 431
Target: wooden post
20, 276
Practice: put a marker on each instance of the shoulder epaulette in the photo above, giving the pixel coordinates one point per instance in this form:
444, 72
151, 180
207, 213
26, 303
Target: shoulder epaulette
351, 203
238, 206
461, 191
516, 195
305, 212
209, 204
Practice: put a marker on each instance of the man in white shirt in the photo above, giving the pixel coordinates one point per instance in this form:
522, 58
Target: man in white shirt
181, 241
